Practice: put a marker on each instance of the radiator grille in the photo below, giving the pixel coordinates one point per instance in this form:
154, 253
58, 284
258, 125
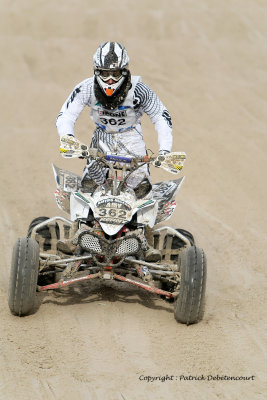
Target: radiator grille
128, 246
120, 247
90, 243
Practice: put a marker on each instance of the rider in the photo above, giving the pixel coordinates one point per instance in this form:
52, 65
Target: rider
117, 101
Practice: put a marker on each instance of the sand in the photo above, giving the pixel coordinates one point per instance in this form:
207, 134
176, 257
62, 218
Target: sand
207, 61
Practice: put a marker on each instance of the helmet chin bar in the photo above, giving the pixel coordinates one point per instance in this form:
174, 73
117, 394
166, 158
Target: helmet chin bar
109, 90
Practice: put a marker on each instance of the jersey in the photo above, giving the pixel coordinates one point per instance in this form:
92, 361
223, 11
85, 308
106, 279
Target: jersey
125, 120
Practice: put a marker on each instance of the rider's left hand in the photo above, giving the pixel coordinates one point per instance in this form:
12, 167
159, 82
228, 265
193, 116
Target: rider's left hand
160, 157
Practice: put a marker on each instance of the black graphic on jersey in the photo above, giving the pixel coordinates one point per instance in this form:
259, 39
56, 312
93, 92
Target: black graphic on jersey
167, 117
59, 115
136, 100
147, 99
72, 97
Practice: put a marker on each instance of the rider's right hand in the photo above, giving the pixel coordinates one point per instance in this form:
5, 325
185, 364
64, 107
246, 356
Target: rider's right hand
68, 143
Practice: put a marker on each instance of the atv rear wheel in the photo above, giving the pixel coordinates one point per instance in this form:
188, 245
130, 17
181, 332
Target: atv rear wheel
189, 306
23, 276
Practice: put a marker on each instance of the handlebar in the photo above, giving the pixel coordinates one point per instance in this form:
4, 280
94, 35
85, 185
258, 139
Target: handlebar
72, 148
116, 158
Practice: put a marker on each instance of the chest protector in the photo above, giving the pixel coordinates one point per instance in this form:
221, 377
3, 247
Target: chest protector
120, 119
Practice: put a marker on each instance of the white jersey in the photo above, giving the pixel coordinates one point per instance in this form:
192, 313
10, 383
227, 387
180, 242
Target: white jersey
118, 129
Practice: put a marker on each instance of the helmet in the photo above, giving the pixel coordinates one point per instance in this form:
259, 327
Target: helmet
111, 62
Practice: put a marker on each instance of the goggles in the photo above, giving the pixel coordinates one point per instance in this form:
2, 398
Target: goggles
115, 74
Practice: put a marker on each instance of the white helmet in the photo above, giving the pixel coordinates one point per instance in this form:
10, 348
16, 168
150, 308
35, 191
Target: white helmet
111, 62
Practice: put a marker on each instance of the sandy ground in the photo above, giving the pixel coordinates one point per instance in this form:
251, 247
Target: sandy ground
207, 60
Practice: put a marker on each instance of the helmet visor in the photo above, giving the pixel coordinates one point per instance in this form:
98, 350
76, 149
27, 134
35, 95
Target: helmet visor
106, 74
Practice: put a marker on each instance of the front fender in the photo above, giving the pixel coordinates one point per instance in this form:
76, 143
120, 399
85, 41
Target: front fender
148, 215
79, 206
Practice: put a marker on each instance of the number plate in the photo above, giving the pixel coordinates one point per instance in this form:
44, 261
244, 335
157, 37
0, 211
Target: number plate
70, 183
112, 212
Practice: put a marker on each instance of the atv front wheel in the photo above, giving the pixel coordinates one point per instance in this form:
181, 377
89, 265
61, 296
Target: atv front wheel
44, 233
177, 242
189, 306
23, 276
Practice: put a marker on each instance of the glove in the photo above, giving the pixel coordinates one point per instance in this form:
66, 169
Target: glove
160, 157
66, 142
71, 147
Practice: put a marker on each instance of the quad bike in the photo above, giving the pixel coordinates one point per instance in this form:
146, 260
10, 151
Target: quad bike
107, 226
